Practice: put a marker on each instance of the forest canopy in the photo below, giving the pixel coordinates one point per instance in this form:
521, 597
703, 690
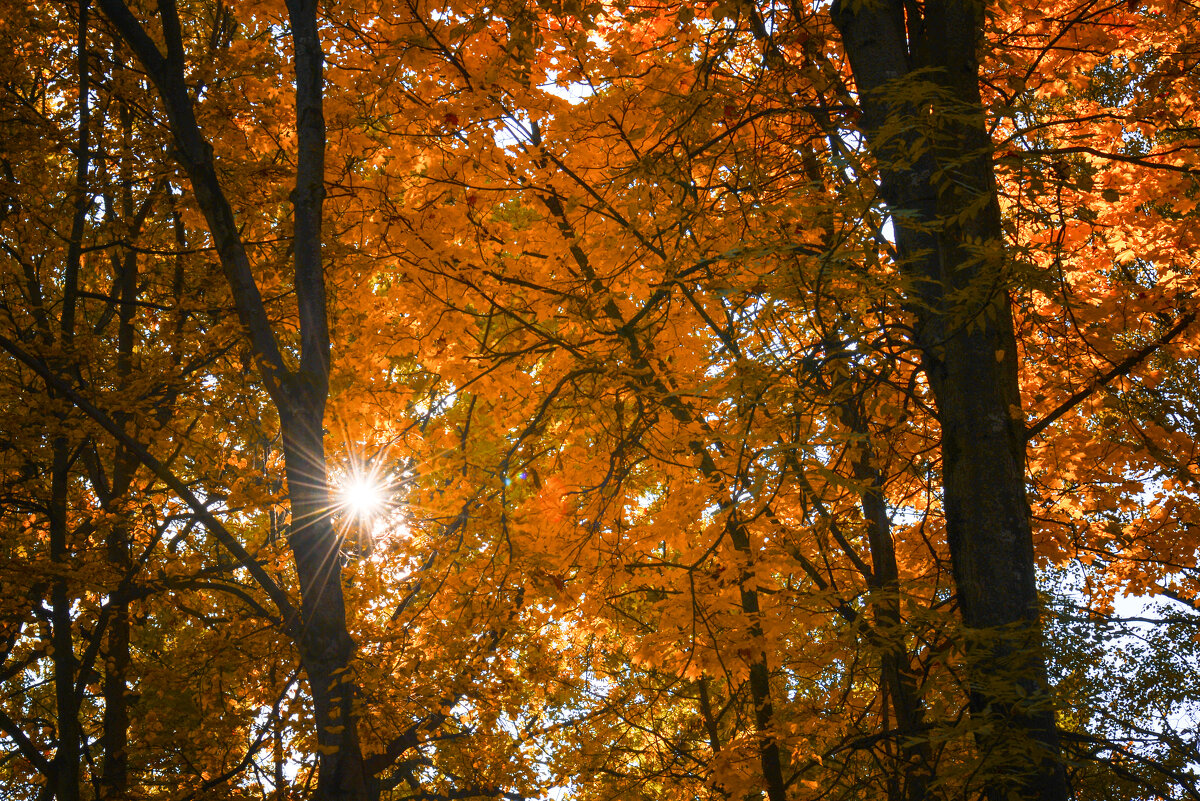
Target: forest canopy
541, 399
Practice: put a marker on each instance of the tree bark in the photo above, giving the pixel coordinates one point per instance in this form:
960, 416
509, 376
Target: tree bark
946, 217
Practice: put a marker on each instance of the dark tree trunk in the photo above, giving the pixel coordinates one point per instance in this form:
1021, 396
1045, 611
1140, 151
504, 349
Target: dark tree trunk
69, 748
326, 648
895, 661
115, 735
769, 756
321, 635
114, 780
949, 248
68, 751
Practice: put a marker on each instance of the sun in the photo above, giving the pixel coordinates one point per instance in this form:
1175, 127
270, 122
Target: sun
363, 496
367, 498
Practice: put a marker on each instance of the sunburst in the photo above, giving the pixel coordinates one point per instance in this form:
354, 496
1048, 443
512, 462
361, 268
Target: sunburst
367, 498
363, 495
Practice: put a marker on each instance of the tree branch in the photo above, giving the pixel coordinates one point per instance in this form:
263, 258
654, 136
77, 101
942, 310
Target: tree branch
1118, 370
276, 593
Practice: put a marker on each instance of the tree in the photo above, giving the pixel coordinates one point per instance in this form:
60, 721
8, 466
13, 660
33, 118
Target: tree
949, 246
644, 320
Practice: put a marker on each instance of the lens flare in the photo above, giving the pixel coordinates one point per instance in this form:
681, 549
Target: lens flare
363, 496
368, 499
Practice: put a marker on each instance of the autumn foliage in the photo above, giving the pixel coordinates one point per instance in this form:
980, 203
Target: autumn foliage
599, 401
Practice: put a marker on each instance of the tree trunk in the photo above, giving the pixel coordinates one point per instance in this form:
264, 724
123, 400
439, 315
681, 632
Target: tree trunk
949, 248
895, 661
68, 750
326, 649
114, 780
769, 756
325, 646
115, 737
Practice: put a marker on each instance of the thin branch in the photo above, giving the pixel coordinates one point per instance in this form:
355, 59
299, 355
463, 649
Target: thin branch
1118, 370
